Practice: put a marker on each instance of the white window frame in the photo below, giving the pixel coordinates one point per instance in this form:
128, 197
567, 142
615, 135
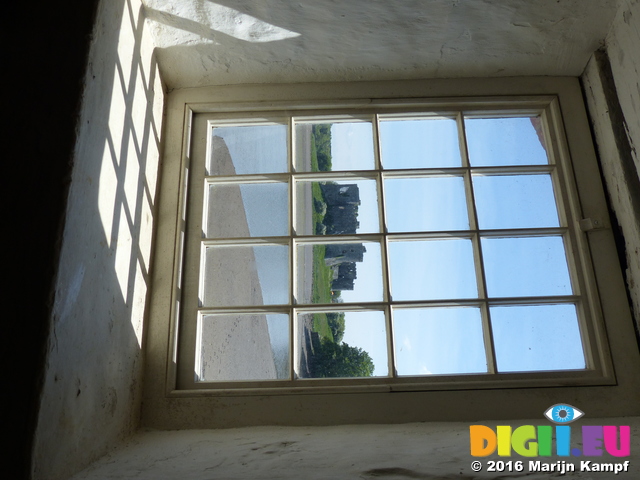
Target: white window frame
189, 114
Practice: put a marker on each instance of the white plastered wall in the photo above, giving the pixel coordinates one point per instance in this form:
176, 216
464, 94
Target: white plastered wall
622, 45
427, 451
92, 391
91, 398
202, 42
620, 168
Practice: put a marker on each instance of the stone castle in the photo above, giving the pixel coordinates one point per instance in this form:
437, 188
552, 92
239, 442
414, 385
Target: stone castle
341, 218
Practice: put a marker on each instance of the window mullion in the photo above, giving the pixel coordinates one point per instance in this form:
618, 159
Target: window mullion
293, 278
479, 262
384, 250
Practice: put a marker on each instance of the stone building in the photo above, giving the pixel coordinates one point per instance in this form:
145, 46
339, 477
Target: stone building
342, 201
344, 276
344, 252
342, 258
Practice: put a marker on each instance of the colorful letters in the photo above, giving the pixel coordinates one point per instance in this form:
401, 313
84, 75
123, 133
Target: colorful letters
531, 441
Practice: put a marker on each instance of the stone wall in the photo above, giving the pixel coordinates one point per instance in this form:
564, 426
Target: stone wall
92, 391
428, 451
612, 88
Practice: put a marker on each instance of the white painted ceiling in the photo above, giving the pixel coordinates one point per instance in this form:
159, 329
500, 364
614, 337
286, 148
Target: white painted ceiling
204, 42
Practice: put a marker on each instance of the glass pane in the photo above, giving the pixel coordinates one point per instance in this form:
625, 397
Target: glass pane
537, 337
337, 208
340, 272
505, 141
248, 149
515, 201
425, 143
526, 267
243, 347
247, 210
246, 275
431, 341
341, 344
432, 269
426, 204
326, 147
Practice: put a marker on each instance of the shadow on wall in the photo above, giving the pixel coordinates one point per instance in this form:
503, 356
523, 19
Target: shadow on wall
217, 42
205, 39
217, 24
92, 388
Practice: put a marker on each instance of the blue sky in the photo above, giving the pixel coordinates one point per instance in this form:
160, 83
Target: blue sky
449, 340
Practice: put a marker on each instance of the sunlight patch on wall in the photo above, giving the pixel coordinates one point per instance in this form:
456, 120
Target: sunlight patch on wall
106, 191
201, 22
123, 254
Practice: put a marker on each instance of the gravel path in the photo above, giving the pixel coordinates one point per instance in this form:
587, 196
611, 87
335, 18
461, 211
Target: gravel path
234, 347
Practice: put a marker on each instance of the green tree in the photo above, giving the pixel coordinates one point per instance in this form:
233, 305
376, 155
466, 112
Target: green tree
331, 359
336, 324
322, 141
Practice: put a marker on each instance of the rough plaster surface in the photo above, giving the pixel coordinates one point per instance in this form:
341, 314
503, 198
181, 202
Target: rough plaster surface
92, 391
623, 49
203, 42
433, 451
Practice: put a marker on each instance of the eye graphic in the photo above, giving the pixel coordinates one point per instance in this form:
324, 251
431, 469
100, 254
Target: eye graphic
563, 413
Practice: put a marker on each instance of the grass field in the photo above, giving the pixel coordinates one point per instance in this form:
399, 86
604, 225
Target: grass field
321, 293
322, 274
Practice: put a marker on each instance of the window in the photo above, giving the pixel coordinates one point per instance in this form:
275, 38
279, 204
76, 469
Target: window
383, 245
217, 223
